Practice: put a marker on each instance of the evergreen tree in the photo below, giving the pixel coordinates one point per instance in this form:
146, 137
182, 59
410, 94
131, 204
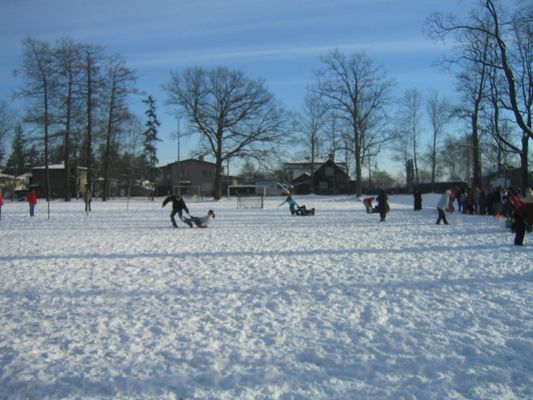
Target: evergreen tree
18, 158
149, 141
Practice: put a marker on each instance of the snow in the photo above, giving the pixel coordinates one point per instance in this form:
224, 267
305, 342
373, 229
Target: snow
262, 305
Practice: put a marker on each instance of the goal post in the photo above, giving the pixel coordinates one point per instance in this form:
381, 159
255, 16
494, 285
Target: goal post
255, 201
248, 196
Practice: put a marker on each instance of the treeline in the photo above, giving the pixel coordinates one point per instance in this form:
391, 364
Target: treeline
77, 110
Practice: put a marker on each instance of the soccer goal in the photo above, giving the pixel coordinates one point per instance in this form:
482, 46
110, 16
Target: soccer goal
248, 196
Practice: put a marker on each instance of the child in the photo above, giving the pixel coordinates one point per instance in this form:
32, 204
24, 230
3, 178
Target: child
292, 204
201, 222
304, 211
368, 205
32, 200
441, 207
523, 217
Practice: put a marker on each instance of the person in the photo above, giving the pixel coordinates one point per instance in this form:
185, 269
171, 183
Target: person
87, 197
457, 195
302, 210
417, 199
32, 201
368, 205
523, 216
451, 200
442, 205
291, 202
178, 206
201, 222
1, 203
383, 205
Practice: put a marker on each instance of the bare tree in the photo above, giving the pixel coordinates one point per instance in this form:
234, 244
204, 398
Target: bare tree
236, 116
439, 112
7, 124
311, 124
119, 80
489, 30
457, 160
357, 91
409, 128
68, 63
92, 65
40, 83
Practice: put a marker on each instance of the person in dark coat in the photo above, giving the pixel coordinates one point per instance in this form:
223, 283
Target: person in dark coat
523, 217
418, 200
178, 206
383, 205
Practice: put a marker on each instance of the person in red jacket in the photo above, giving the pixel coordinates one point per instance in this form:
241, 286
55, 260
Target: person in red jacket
32, 200
523, 215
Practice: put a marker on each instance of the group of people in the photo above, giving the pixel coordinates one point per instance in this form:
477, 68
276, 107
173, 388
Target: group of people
31, 198
382, 206
296, 209
499, 201
179, 206
472, 201
481, 202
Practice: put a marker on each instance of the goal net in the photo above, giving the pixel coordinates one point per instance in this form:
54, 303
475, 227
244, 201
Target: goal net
255, 201
248, 196
189, 192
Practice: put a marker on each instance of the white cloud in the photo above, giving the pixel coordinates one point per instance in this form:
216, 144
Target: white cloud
295, 51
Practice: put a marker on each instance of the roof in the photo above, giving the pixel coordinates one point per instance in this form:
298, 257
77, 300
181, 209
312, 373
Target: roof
306, 161
190, 160
51, 166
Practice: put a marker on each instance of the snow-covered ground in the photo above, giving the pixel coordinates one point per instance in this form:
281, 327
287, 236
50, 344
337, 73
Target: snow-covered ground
262, 305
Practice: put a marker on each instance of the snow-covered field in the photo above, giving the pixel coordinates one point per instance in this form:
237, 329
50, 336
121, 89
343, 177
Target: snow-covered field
262, 305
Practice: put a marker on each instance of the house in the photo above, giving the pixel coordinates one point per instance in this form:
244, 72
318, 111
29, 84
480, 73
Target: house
57, 175
329, 178
188, 177
295, 169
511, 177
272, 188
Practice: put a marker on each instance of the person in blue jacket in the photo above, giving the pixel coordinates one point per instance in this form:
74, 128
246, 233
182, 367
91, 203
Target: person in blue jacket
291, 202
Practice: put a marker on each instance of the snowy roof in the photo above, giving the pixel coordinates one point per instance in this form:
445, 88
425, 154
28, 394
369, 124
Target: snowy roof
51, 166
306, 161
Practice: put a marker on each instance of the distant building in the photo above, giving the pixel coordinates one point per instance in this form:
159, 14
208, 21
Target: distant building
191, 177
328, 179
272, 188
57, 175
508, 178
294, 169
192, 174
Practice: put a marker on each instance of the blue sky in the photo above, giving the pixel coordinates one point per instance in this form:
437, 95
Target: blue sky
278, 41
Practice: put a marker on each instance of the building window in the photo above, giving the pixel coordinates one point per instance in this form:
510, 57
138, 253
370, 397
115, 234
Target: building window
323, 185
329, 171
